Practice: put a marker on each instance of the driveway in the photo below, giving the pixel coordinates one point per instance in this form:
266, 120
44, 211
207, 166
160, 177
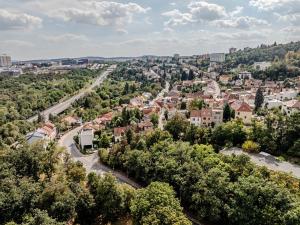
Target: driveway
267, 160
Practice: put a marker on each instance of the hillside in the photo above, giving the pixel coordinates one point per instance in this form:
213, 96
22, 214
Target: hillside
262, 53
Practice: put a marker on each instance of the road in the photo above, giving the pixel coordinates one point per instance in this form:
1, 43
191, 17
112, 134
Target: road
90, 162
267, 160
60, 107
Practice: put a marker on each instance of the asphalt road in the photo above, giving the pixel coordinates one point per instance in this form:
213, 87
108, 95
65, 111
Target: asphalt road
60, 107
267, 160
90, 162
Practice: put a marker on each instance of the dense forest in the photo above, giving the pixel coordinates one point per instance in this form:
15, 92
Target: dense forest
262, 53
24, 96
40, 187
213, 187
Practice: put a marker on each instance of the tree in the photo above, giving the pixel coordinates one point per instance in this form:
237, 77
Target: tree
259, 99
191, 75
126, 89
184, 76
226, 113
154, 119
177, 126
41, 118
156, 204
104, 141
129, 136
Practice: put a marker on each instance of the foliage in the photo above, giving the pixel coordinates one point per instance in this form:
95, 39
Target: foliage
176, 126
156, 204
217, 188
250, 146
259, 99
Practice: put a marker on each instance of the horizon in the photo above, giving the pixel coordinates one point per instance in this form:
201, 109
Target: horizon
35, 29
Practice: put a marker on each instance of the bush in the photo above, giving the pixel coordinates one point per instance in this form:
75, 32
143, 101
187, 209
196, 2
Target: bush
251, 146
103, 155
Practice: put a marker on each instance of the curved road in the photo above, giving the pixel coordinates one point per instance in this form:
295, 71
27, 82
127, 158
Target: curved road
60, 107
90, 162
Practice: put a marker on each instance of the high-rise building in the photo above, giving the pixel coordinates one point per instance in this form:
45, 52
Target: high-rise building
5, 61
232, 50
217, 57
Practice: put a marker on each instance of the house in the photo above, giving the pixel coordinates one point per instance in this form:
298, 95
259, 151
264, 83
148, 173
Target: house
273, 103
119, 133
290, 107
45, 133
86, 137
104, 119
245, 75
195, 117
244, 112
224, 79
72, 120
145, 126
206, 117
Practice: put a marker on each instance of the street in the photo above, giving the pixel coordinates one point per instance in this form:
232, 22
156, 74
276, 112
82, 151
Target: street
90, 162
60, 107
267, 160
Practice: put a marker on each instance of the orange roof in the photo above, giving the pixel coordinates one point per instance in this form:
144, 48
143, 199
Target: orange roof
196, 113
244, 107
119, 131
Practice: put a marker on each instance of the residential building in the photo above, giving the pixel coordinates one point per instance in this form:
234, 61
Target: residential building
245, 75
45, 133
232, 50
119, 133
86, 137
5, 61
217, 57
290, 107
262, 65
206, 117
244, 112
224, 79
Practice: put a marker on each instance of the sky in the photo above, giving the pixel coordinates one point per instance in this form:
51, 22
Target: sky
40, 29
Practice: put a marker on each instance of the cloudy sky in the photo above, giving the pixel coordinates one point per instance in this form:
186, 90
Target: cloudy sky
32, 29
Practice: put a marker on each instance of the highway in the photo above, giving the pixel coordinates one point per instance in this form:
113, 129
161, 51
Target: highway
62, 106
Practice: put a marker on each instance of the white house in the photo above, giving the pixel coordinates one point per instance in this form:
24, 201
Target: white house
86, 138
291, 107
245, 75
273, 103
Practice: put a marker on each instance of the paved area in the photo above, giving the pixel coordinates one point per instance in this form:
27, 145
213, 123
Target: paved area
91, 162
264, 159
60, 107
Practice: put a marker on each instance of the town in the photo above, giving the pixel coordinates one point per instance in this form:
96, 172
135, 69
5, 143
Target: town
137, 103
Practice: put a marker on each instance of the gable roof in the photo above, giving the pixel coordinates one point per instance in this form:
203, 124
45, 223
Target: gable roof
244, 107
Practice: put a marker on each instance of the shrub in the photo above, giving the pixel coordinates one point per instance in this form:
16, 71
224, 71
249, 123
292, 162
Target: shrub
251, 146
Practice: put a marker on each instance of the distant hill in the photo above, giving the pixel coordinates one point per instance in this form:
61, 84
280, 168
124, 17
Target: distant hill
262, 53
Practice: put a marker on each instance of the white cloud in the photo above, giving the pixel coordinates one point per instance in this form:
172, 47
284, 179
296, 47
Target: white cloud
65, 38
243, 22
238, 10
100, 13
274, 4
206, 11
177, 18
286, 10
18, 20
16, 43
